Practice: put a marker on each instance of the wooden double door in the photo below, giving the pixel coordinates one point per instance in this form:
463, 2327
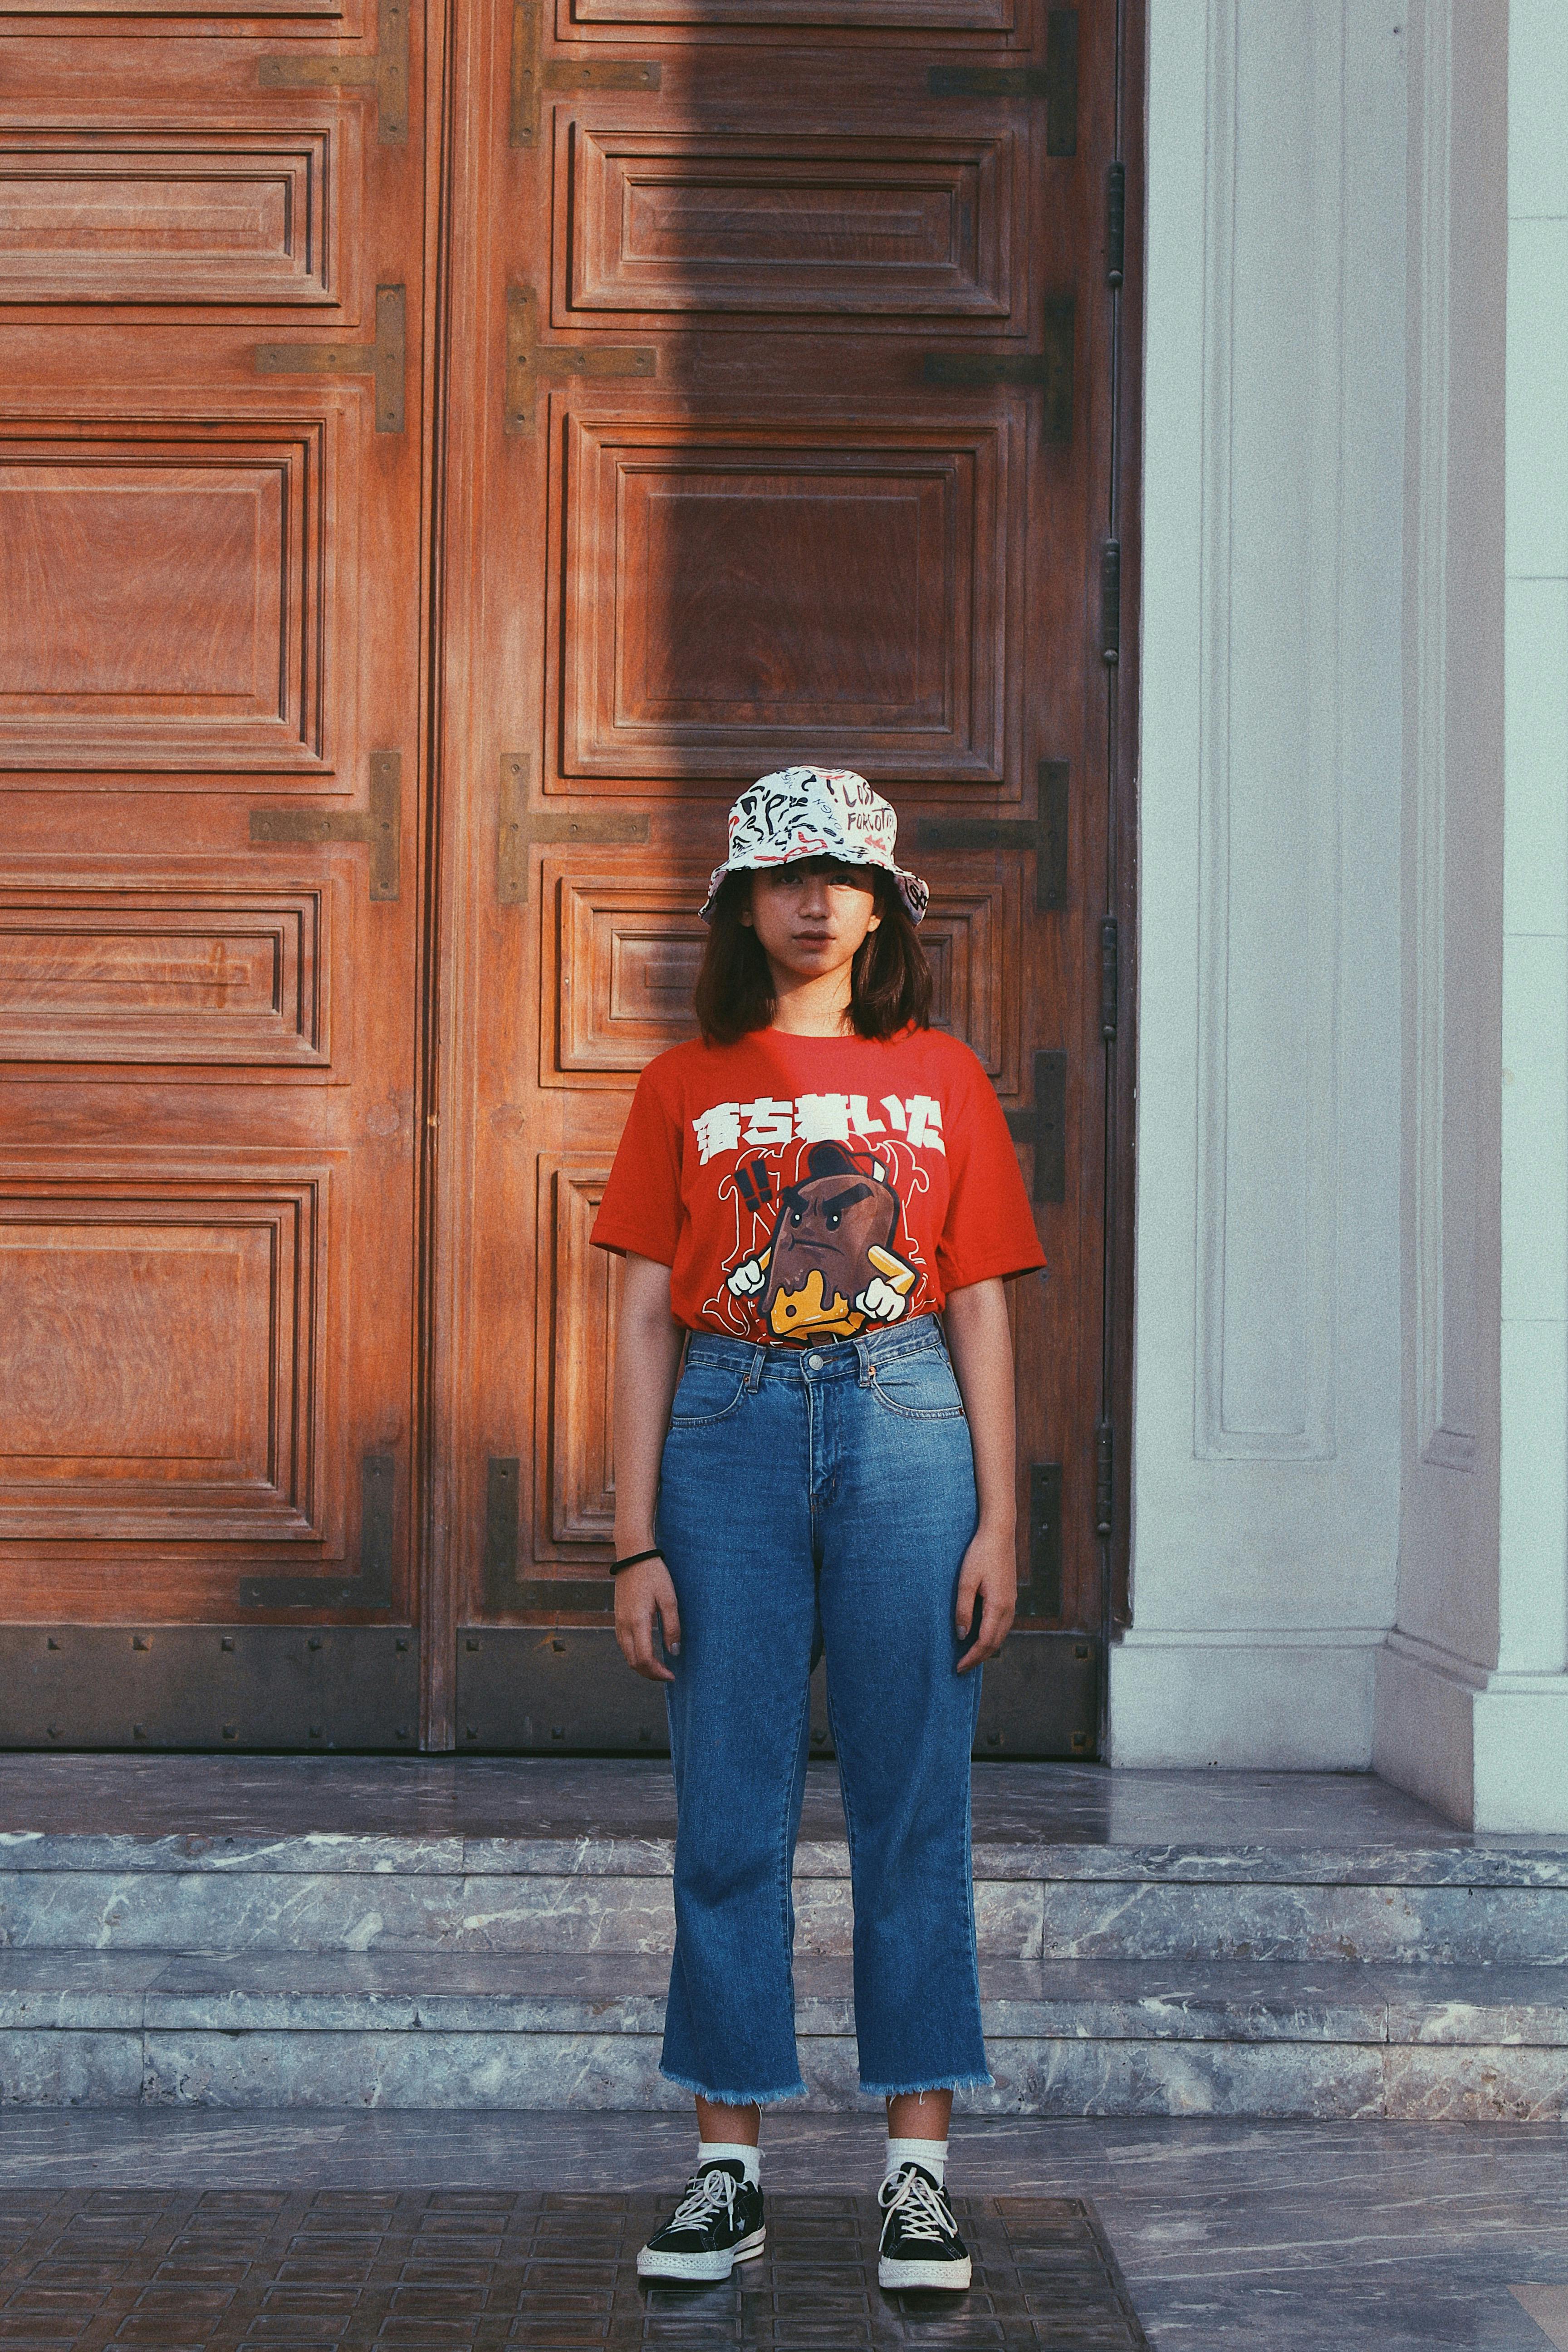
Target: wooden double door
442, 456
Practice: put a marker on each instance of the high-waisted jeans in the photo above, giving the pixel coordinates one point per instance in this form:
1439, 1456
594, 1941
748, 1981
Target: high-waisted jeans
816, 1500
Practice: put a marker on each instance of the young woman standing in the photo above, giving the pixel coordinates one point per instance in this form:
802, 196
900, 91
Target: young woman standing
799, 1194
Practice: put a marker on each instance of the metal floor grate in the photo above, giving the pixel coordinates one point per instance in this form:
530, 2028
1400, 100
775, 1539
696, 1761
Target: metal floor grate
335, 2270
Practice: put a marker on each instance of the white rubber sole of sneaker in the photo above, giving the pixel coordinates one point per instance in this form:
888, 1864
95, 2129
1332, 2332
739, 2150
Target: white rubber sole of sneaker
697, 2268
954, 2276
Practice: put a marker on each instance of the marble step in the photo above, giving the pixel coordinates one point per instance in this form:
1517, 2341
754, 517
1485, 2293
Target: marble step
549, 2030
1457, 1906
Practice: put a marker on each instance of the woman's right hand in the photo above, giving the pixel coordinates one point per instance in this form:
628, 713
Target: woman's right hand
643, 1593
648, 1366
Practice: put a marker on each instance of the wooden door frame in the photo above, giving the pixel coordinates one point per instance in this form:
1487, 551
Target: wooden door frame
434, 1500
442, 1208
1123, 734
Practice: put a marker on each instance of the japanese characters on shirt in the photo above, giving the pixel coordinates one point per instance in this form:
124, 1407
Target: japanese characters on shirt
819, 1188
806, 1189
816, 1119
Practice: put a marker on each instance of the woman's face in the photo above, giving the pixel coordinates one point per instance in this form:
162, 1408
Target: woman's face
812, 915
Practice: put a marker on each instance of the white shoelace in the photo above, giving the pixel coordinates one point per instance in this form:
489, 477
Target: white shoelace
916, 2198
707, 2193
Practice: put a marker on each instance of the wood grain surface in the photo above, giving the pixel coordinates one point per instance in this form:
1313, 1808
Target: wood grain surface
212, 602
715, 440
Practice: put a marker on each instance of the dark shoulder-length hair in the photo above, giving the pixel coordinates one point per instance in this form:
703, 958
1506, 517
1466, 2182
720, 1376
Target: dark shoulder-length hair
889, 982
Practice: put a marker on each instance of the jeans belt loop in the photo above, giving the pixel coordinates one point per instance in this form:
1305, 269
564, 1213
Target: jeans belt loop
863, 1355
754, 1377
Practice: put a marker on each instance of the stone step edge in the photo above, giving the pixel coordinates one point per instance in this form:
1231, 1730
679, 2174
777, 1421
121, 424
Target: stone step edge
589, 1918
1065, 2080
1386, 2008
1542, 1870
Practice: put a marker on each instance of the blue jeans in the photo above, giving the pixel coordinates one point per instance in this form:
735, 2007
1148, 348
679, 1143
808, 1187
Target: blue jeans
816, 1500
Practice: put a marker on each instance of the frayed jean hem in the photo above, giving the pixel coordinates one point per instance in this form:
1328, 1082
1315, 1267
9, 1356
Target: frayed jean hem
732, 2098
918, 2090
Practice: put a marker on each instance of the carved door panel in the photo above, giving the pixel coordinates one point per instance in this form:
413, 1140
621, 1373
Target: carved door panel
781, 430
212, 304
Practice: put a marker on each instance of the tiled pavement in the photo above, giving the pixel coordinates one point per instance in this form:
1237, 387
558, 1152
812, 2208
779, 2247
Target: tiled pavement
1232, 2237
479, 2270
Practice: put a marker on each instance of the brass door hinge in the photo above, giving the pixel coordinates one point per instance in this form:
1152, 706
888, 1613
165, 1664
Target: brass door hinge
372, 1587
1046, 835
385, 359
1044, 1125
386, 73
1115, 224
380, 825
568, 74
520, 827
1041, 1593
1056, 81
1050, 368
1109, 976
1110, 600
527, 360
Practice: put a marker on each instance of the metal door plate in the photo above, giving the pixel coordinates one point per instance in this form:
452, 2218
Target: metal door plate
565, 1690
296, 1687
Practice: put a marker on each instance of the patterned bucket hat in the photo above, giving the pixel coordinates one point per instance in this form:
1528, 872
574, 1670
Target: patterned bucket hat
814, 812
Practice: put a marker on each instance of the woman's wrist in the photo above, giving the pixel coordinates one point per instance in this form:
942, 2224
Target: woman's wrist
1000, 1524
635, 1558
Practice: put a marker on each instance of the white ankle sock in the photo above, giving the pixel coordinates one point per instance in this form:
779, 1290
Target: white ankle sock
930, 2154
724, 2151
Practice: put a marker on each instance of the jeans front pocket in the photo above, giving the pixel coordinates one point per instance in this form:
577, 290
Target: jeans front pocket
921, 1386
707, 1392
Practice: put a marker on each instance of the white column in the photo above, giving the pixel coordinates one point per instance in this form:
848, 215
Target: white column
1267, 1376
1522, 1718
1445, 1642
1473, 1688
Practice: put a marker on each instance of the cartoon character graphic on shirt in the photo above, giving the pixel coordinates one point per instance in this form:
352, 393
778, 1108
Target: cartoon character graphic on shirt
831, 1264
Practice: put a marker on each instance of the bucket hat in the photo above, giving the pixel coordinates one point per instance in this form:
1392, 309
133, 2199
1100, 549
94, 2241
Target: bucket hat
814, 812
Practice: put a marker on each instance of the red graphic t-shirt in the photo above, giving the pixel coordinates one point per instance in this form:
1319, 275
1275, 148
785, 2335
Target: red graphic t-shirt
804, 1188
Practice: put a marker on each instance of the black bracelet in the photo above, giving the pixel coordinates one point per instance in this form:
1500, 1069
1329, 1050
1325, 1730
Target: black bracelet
633, 1557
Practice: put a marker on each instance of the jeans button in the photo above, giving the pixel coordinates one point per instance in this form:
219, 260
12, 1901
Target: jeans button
814, 1363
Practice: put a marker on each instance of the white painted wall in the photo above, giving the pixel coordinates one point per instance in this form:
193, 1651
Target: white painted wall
1447, 1635
1473, 1692
1532, 1634
1267, 1385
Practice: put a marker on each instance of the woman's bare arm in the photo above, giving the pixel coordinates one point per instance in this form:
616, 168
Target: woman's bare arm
980, 1342
647, 1365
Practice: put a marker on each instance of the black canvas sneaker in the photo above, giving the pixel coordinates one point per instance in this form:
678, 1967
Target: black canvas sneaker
718, 2224
921, 2245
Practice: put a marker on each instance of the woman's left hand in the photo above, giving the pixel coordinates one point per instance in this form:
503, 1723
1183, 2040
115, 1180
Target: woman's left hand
989, 1575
